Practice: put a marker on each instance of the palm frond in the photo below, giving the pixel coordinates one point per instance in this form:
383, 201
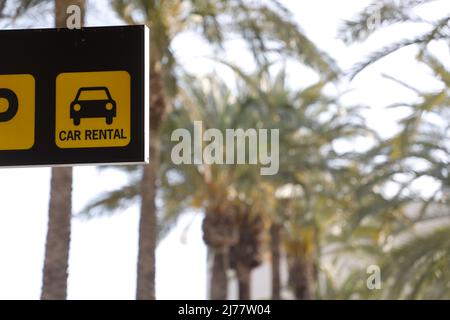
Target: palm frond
379, 14
387, 50
111, 201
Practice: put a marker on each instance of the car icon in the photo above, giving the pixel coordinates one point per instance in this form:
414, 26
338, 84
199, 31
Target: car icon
93, 102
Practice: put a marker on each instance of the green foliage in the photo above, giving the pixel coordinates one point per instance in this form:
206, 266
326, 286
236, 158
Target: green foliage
403, 231
419, 267
266, 27
387, 14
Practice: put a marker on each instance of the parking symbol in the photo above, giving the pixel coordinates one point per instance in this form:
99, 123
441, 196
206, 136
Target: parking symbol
93, 109
11, 104
17, 111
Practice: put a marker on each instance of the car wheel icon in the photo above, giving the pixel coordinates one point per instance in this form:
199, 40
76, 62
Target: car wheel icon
13, 104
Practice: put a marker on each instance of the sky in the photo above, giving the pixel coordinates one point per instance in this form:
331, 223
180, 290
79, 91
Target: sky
104, 250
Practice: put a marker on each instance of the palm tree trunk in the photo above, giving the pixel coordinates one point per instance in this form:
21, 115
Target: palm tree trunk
147, 227
148, 224
275, 244
219, 280
244, 281
301, 273
55, 274
58, 235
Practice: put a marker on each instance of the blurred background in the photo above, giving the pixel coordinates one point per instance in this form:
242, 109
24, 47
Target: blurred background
360, 207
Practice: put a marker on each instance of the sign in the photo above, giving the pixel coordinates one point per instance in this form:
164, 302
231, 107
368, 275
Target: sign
72, 97
99, 109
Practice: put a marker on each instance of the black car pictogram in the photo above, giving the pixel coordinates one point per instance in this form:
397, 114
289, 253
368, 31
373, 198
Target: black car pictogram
93, 102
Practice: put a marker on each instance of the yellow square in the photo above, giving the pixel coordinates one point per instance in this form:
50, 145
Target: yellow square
17, 110
93, 109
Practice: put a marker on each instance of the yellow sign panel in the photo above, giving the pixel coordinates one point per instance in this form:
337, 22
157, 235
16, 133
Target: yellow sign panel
17, 111
93, 109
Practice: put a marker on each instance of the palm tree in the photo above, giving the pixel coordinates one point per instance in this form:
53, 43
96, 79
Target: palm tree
216, 186
303, 140
262, 25
403, 242
421, 136
309, 170
247, 253
60, 208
